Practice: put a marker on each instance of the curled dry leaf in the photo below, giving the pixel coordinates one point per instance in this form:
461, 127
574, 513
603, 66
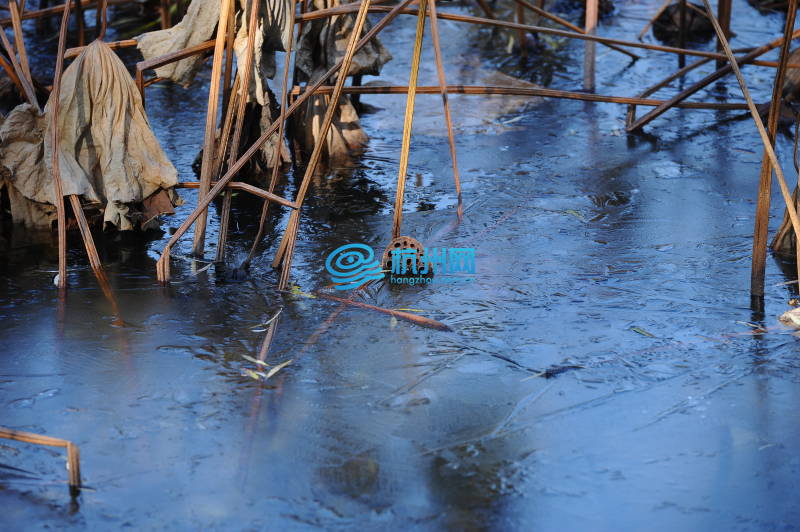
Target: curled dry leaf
274, 34
321, 46
197, 26
22, 169
324, 42
108, 154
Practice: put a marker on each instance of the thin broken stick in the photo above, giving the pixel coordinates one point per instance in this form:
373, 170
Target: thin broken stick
407, 316
73, 453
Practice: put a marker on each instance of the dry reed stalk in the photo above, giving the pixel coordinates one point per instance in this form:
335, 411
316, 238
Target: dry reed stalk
140, 85
81, 25
590, 49
761, 228
724, 18
86, 235
75, 202
245, 74
299, 32
759, 124
211, 126
786, 224
9, 70
102, 19
165, 18
664, 6
695, 9
219, 156
156, 62
407, 316
520, 33
408, 122
225, 132
631, 114
97, 21
244, 187
153, 80
277, 157
567, 24
437, 50
527, 91
290, 235
226, 84
57, 188
55, 10
658, 111
162, 265
279, 254
486, 9
27, 84
334, 11
266, 343
73, 453
351, 8
19, 41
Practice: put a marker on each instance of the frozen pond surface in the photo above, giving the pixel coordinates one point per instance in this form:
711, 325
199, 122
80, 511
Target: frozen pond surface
626, 256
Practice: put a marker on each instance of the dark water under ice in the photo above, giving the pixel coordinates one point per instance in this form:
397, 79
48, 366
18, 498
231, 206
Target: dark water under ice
625, 256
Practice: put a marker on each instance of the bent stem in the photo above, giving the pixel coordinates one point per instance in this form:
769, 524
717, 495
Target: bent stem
408, 122
761, 228
57, 187
211, 125
244, 92
277, 157
290, 235
759, 124
437, 49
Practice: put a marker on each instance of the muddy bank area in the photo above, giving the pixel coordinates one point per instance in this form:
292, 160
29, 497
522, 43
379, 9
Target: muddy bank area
604, 369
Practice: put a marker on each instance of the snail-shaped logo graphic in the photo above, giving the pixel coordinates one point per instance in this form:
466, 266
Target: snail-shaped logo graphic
351, 265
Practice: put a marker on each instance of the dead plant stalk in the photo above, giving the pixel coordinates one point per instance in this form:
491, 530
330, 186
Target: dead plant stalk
765, 139
761, 228
211, 125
